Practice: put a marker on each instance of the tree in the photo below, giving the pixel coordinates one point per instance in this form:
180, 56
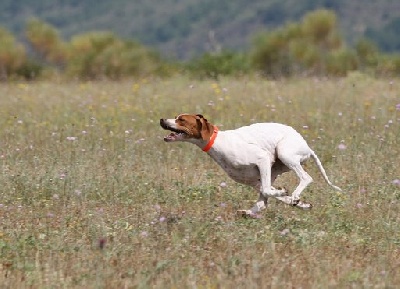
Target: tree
46, 42
311, 46
12, 54
101, 54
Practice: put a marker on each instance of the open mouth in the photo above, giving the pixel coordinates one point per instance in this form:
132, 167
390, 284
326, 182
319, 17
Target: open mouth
176, 134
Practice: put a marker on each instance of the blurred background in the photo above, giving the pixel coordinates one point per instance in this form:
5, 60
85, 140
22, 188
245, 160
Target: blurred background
125, 38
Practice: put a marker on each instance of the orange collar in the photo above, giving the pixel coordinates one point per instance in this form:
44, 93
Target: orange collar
212, 139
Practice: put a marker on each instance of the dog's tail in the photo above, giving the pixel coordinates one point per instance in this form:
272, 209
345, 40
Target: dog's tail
322, 170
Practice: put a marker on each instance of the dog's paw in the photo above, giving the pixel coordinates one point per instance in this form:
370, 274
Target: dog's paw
247, 214
303, 206
243, 213
282, 191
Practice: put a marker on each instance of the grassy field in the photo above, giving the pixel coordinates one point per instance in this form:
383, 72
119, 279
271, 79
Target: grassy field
92, 197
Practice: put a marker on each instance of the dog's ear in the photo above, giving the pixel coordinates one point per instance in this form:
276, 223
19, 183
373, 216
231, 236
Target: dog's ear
199, 116
204, 127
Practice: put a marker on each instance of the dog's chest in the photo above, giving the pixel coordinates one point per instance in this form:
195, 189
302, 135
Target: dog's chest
242, 172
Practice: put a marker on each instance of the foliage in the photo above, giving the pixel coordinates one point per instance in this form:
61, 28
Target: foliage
97, 55
388, 65
180, 27
312, 46
46, 42
214, 65
387, 36
367, 54
12, 54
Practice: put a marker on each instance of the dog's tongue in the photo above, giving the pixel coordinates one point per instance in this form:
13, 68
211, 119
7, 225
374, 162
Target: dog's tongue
170, 137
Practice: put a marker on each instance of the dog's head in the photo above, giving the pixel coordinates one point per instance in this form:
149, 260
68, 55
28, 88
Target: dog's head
187, 127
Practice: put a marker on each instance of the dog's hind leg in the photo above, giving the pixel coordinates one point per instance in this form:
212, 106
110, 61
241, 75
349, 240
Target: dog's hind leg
260, 205
299, 204
304, 180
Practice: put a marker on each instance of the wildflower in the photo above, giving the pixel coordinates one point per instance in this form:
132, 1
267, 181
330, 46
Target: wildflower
162, 219
284, 232
218, 219
72, 138
396, 182
359, 205
398, 106
342, 146
222, 184
144, 234
102, 243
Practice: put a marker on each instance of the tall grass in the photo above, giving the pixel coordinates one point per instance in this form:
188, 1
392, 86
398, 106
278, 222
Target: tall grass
91, 196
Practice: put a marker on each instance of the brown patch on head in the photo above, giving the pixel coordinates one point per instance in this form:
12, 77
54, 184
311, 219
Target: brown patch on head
195, 126
186, 127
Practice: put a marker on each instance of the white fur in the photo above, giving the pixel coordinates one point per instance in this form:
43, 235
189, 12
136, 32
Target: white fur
256, 154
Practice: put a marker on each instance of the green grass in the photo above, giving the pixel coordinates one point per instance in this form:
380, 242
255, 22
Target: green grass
91, 196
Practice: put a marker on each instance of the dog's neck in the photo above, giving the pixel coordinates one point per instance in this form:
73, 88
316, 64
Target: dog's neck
210, 143
206, 144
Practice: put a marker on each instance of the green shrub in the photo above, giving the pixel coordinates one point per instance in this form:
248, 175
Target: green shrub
30, 70
312, 46
46, 42
12, 55
222, 64
101, 54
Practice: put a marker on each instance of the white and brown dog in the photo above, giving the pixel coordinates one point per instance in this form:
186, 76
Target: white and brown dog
254, 155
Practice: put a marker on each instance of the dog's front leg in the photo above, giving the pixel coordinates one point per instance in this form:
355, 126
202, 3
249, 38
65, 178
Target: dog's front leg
266, 189
260, 205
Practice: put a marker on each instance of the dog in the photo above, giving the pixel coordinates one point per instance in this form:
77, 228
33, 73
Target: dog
253, 155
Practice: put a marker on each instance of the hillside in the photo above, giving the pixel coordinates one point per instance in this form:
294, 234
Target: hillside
181, 28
